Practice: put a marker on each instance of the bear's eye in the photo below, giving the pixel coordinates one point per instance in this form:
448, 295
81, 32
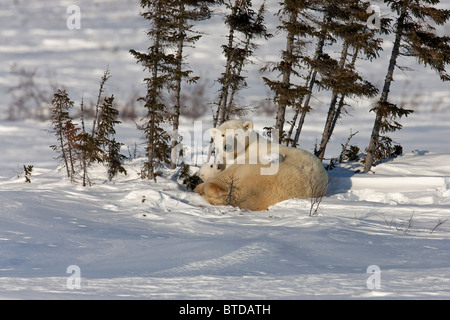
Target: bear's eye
211, 166
223, 135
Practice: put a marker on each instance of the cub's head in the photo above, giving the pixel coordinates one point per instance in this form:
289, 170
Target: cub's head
208, 171
231, 139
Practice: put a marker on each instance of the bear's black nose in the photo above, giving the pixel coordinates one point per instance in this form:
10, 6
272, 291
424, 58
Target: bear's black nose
227, 148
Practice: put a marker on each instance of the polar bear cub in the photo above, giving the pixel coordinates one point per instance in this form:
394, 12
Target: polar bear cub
210, 170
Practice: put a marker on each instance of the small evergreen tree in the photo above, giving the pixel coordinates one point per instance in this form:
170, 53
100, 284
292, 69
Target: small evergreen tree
107, 119
414, 37
89, 152
351, 26
171, 32
245, 21
71, 132
100, 145
79, 148
89, 149
28, 170
182, 35
105, 77
160, 65
250, 24
115, 159
319, 20
64, 129
233, 195
303, 22
106, 137
286, 91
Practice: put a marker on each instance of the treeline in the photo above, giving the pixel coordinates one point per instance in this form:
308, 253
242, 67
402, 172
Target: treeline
354, 26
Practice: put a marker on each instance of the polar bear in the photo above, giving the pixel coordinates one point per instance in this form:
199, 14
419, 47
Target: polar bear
237, 142
243, 186
249, 181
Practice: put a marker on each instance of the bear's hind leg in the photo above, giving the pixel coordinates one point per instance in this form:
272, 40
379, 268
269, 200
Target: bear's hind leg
214, 193
200, 189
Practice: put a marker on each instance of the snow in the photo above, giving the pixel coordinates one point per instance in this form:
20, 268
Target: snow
136, 239
139, 239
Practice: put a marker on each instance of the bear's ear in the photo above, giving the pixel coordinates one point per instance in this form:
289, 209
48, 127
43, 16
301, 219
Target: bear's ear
212, 132
248, 125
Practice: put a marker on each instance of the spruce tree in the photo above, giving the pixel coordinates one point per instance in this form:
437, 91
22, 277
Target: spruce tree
71, 133
286, 91
170, 32
184, 12
79, 148
244, 25
106, 137
115, 159
414, 37
64, 129
247, 23
303, 107
105, 77
100, 144
350, 25
160, 66
89, 149
303, 22
322, 14
107, 119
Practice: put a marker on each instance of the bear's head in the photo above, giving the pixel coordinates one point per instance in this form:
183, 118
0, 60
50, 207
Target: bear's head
231, 139
208, 171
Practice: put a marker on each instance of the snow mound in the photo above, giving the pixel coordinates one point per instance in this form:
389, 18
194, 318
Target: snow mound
416, 178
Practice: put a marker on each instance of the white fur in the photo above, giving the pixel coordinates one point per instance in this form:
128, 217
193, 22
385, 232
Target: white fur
258, 178
273, 157
208, 171
230, 139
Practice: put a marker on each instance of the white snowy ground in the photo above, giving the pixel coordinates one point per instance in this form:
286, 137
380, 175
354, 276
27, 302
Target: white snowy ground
137, 239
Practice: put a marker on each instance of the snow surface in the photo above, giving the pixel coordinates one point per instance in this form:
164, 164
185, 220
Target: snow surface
139, 239
135, 239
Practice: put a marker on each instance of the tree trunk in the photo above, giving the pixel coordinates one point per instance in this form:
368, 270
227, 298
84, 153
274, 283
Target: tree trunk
327, 131
317, 54
105, 77
384, 95
341, 100
150, 147
220, 115
299, 106
83, 154
234, 85
151, 114
176, 111
222, 108
285, 84
304, 109
63, 149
